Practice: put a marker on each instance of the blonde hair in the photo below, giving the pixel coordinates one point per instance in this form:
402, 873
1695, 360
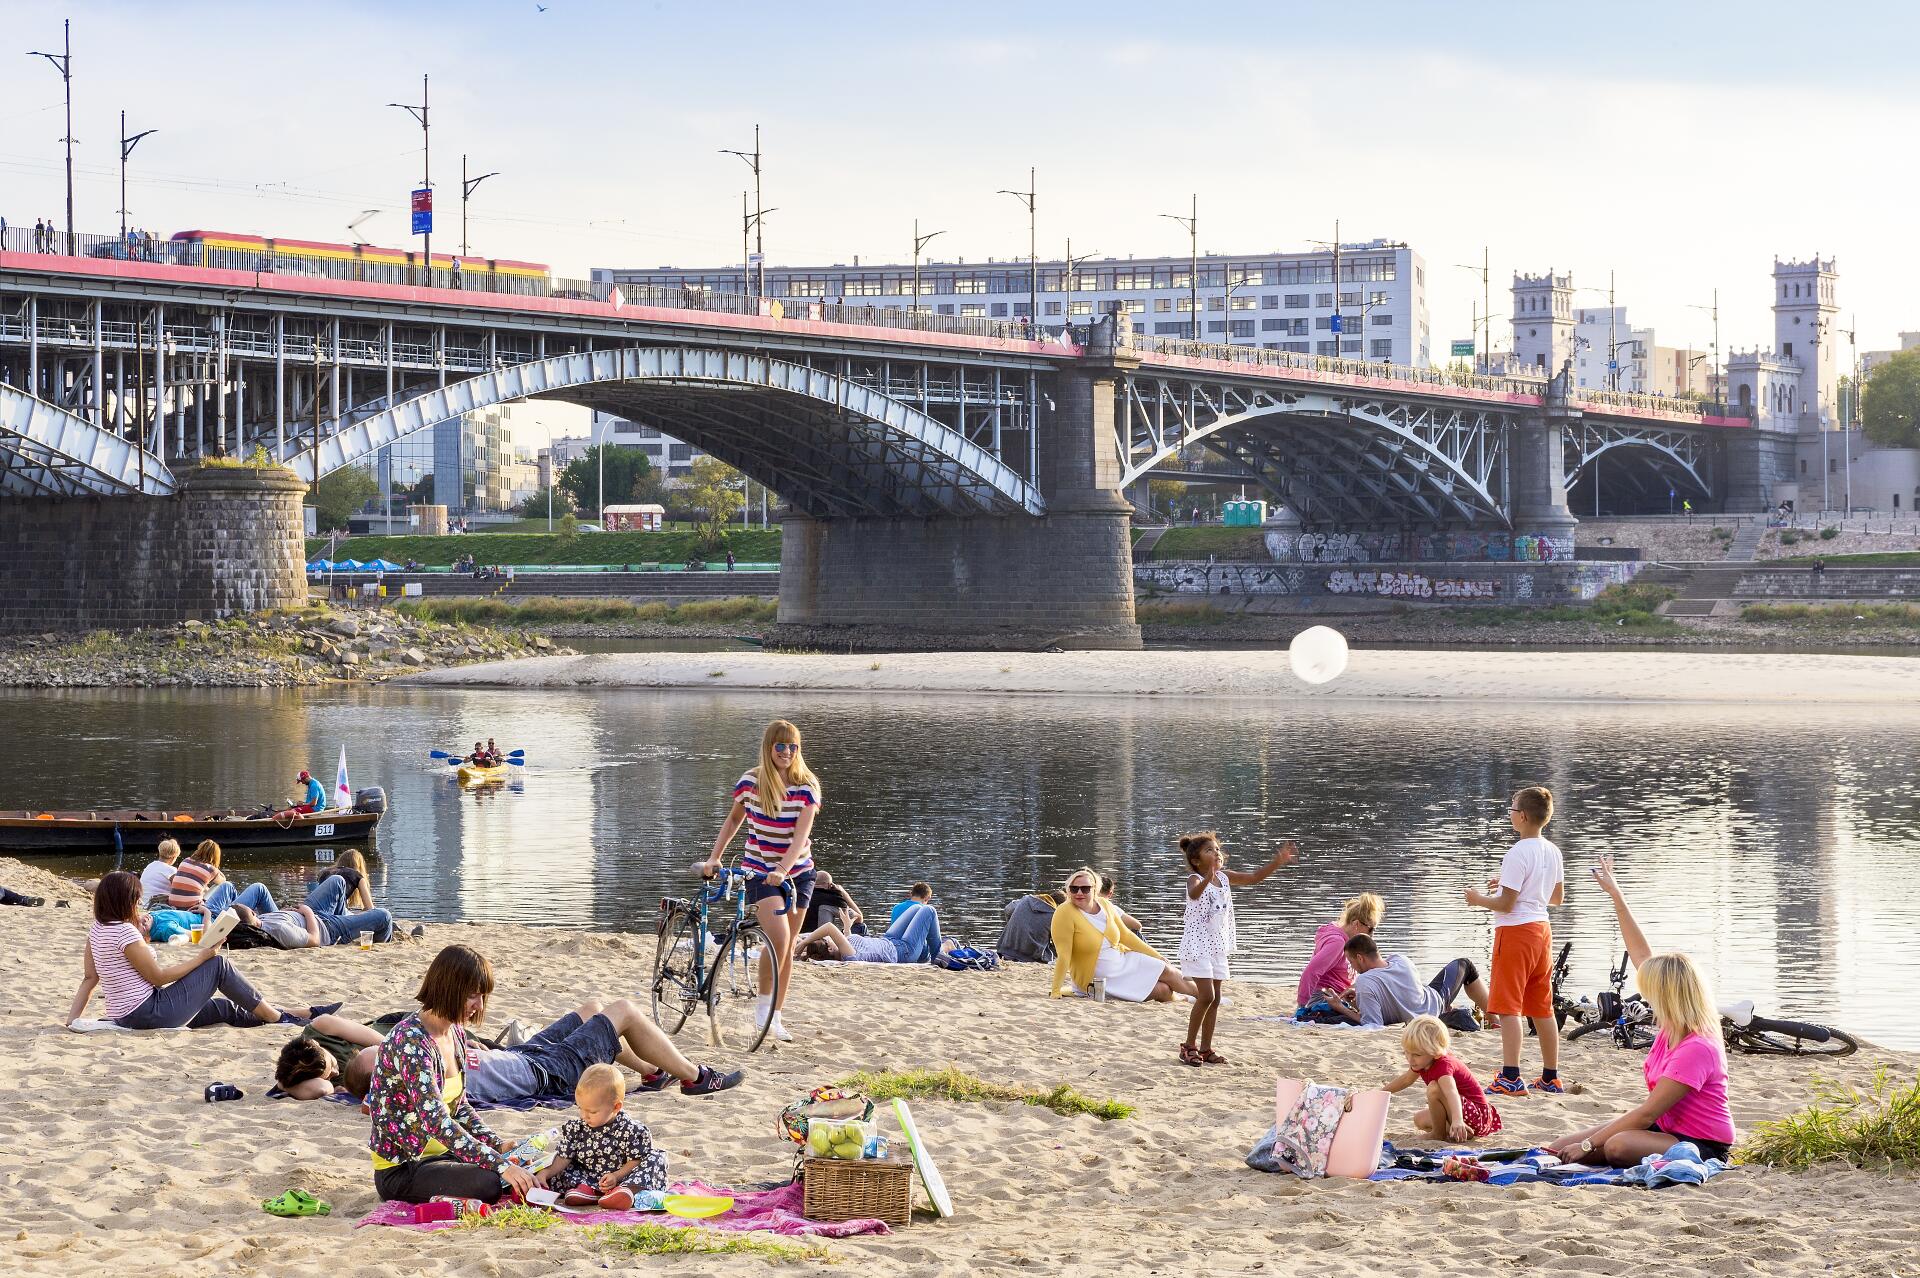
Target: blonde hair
1363, 912
1093, 877
598, 1083
352, 860
1535, 802
1426, 1036
796, 772
1679, 996
208, 853
168, 850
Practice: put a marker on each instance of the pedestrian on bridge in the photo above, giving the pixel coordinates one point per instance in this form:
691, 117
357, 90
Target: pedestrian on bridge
39, 236
3, 234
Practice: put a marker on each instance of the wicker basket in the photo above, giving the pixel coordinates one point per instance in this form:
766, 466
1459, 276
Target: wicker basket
856, 1189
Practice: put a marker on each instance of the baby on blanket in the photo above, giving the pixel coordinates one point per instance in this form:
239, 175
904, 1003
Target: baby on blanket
603, 1158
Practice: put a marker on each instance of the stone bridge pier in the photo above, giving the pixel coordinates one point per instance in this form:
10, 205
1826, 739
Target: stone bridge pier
1016, 582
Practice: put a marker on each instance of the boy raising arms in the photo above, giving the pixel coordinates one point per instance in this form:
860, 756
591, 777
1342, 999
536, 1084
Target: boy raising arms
1532, 878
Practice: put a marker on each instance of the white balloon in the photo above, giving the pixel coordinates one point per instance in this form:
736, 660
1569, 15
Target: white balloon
1318, 654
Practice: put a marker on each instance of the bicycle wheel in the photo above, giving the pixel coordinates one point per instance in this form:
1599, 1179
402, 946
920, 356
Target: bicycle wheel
676, 980
1776, 1041
734, 990
1637, 1037
1591, 1027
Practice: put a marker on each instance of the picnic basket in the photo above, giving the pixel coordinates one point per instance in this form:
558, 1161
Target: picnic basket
859, 1188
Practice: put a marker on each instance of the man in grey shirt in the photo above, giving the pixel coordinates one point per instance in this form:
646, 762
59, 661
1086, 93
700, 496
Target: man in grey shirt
1386, 991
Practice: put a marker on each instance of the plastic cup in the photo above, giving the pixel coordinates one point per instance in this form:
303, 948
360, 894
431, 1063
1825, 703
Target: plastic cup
366, 940
193, 936
1099, 990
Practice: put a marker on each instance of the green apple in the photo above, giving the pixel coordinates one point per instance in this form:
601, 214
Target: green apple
819, 1139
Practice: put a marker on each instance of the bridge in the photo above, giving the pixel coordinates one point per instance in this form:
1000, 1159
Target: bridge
941, 475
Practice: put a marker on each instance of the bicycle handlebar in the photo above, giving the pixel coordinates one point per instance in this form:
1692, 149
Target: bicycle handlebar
731, 874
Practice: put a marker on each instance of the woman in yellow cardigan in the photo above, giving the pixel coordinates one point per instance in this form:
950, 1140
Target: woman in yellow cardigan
1091, 943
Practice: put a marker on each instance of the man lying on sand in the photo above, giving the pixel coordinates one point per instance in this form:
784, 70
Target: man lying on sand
336, 1054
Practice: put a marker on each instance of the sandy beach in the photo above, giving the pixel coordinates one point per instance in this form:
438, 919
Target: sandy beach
1665, 677
120, 1166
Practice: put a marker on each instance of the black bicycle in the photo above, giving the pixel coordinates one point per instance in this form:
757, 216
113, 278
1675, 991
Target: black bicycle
699, 960
1564, 1008
1763, 1036
1629, 1017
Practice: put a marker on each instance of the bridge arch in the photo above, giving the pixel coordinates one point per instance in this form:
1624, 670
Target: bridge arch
1653, 461
47, 451
830, 446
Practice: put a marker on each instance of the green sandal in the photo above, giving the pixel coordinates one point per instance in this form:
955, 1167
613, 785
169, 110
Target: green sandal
296, 1202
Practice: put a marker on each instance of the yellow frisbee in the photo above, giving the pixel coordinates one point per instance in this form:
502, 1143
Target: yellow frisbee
696, 1206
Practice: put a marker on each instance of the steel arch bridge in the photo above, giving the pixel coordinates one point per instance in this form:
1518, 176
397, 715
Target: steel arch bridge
1681, 460
47, 451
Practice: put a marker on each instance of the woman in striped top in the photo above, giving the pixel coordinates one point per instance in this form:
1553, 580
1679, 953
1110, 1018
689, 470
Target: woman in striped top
777, 802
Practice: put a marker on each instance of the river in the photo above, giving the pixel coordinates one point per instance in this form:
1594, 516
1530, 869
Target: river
1778, 846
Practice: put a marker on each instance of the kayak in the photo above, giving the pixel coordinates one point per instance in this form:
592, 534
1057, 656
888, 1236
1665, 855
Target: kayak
31, 831
481, 774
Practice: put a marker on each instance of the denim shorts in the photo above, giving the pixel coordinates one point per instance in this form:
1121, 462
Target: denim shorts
561, 1052
758, 890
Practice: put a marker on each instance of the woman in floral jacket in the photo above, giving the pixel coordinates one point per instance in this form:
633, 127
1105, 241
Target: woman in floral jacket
426, 1139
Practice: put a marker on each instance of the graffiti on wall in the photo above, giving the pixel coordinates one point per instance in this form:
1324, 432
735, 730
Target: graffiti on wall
1221, 579
1410, 585
1532, 582
1416, 547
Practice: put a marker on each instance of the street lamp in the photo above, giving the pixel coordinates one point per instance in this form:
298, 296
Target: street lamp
126, 149
1027, 197
1232, 286
1192, 222
756, 220
1613, 326
1485, 272
919, 242
1073, 264
466, 193
749, 224
426, 169
63, 63
1715, 308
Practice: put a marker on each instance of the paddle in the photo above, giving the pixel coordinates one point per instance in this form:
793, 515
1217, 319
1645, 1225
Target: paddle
442, 754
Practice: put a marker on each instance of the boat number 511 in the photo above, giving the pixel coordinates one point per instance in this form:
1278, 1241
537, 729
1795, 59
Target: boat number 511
323, 832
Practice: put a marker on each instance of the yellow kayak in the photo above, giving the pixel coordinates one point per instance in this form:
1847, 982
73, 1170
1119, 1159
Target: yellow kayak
481, 774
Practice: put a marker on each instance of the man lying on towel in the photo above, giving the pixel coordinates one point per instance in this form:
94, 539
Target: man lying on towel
334, 1054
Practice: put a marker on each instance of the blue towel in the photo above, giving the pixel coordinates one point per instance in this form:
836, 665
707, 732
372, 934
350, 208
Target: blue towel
1680, 1165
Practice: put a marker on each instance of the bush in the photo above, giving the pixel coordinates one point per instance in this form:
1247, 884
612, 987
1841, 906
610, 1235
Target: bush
1178, 612
1828, 534
1836, 616
953, 1085
1876, 1128
1789, 536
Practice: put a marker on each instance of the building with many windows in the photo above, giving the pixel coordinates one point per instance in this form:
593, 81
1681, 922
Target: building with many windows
1278, 301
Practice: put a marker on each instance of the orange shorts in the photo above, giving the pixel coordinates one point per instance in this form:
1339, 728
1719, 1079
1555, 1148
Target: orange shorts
1522, 972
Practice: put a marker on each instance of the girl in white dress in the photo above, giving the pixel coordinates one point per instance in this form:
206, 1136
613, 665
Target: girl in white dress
1209, 938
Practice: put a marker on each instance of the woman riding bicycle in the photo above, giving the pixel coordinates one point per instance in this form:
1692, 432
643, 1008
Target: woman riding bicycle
777, 802
1686, 1069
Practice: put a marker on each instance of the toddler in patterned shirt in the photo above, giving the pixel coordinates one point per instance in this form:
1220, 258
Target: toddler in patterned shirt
603, 1158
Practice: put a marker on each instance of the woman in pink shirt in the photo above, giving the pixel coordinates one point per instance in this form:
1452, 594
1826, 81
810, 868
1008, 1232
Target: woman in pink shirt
1686, 1071
1327, 969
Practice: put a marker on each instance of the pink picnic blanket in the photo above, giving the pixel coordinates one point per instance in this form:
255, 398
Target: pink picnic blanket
777, 1211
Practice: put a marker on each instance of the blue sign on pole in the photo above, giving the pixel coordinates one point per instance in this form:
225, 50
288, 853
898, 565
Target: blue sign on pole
423, 211
1336, 322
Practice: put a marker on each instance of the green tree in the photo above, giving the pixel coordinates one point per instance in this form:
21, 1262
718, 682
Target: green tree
535, 506
1890, 404
713, 489
568, 528
625, 468
340, 494
1167, 494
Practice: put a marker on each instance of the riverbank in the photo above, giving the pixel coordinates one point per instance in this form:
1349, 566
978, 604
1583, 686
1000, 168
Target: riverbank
1603, 677
316, 645
128, 1169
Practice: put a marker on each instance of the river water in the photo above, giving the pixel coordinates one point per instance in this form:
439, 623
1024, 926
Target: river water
1778, 846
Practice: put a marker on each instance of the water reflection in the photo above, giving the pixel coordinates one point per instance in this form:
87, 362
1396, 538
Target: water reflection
1778, 846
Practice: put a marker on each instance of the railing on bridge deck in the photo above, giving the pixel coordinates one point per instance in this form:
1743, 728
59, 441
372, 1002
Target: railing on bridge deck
1186, 348
1641, 402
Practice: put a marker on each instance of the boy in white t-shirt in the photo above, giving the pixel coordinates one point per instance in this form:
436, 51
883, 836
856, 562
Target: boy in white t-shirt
157, 878
1532, 878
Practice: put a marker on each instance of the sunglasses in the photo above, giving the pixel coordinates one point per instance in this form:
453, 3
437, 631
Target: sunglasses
786, 747
1079, 890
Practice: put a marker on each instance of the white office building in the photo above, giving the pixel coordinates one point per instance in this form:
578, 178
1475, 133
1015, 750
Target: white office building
1278, 301
671, 458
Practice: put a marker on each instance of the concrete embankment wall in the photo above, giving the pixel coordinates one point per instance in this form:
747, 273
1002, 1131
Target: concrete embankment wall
1440, 583
228, 542
1834, 583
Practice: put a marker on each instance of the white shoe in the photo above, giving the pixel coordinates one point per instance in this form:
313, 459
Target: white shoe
779, 1031
514, 1034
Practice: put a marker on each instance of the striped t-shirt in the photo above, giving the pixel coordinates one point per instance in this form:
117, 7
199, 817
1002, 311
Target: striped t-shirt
122, 987
770, 833
191, 879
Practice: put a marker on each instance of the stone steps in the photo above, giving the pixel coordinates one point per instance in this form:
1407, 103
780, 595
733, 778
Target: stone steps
1143, 548
1746, 540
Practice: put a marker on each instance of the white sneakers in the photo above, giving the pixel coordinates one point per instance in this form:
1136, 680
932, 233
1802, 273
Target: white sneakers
779, 1031
763, 1007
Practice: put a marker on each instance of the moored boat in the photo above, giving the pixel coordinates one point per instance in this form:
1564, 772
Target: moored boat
139, 831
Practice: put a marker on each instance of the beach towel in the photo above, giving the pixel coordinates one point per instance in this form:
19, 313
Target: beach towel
1680, 1165
775, 1210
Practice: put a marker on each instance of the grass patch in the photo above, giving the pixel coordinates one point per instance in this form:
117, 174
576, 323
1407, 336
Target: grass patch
753, 546
1176, 612
1629, 607
544, 610
530, 1219
1876, 1128
1220, 542
1872, 559
688, 1240
1840, 614
954, 1085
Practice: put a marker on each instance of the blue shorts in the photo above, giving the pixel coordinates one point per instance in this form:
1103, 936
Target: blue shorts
758, 890
561, 1052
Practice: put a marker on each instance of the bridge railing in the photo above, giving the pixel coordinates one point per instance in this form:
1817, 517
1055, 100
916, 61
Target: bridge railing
1373, 369
1640, 402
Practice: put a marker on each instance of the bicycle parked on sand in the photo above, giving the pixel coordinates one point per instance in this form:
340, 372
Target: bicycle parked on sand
687, 936
1630, 1019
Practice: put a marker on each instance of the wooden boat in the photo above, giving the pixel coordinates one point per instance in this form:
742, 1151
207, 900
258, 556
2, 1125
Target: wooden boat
141, 831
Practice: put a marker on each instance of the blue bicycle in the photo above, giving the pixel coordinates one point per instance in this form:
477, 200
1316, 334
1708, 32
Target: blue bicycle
709, 950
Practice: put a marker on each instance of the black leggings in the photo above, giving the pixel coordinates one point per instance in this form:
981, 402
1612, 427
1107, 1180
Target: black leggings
426, 1178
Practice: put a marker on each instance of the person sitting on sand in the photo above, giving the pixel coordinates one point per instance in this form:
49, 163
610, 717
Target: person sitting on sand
1457, 1106
199, 884
1091, 943
1686, 1069
156, 880
338, 1054
1107, 885
918, 894
1327, 971
912, 938
832, 903
1387, 992
603, 1158
141, 994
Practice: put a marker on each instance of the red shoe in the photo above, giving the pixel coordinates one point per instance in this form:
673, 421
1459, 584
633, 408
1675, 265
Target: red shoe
582, 1196
619, 1198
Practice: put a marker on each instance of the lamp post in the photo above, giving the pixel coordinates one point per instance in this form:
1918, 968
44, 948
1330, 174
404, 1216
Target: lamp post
426, 169
757, 219
466, 193
1226, 301
919, 242
1073, 264
63, 63
1485, 272
1192, 222
126, 149
1027, 197
1715, 308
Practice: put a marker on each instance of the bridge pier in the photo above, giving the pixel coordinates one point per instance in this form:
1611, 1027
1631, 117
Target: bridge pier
1758, 461
1537, 485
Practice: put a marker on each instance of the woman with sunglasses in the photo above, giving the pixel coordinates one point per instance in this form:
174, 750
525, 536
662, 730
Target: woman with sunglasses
777, 802
1090, 942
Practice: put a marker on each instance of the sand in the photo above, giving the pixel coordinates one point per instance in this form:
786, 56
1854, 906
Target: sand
1601, 677
121, 1167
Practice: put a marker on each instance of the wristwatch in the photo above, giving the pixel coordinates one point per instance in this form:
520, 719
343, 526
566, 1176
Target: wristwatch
1586, 1146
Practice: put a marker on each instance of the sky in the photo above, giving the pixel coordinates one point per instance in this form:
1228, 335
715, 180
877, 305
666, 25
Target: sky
1681, 146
